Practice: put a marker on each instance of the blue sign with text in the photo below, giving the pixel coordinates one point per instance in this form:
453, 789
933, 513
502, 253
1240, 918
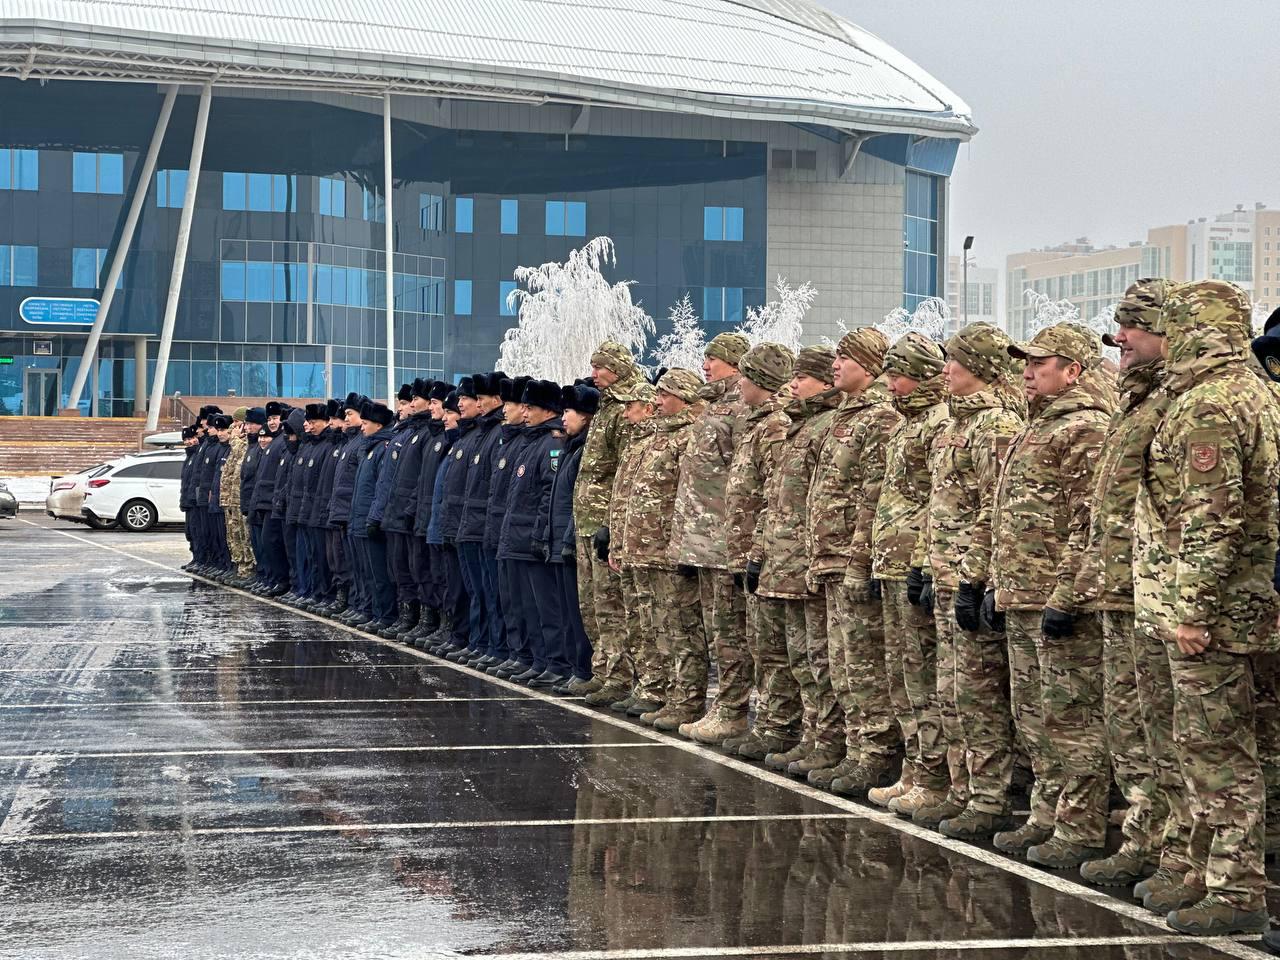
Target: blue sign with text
59, 311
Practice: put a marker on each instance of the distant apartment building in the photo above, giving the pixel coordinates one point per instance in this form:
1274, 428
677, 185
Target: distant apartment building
1242, 246
981, 303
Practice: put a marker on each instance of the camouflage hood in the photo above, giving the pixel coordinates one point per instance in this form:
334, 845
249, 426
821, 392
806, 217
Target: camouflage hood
1137, 382
927, 395
1207, 327
668, 423
713, 391
964, 407
622, 386
1079, 396
800, 410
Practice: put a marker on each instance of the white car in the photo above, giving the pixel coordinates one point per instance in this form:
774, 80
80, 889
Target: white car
137, 491
66, 494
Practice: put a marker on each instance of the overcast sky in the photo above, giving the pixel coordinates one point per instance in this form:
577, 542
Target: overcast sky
1097, 118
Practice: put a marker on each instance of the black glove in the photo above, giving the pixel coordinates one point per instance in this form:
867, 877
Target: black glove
601, 542
543, 552
751, 579
740, 581
569, 551
926, 595
915, 584
1056, 624
968, 603
687, 571
991, 618
374, 530
875, 591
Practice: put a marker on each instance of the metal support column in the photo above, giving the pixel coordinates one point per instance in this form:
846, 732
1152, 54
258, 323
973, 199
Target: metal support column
139, 376
179, 257
123, 247
390, 243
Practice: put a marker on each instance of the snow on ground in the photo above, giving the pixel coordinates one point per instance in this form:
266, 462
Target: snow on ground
28, 489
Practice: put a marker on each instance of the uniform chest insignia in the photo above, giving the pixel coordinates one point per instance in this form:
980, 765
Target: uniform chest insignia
311, 462
502, 464
1204, 456
721, 409
369, 455
439, 444
344, 455
335, 453
395, 454
842, 432
415, 439
282, 460
558, 434
520, 470
458, 455
476, 458
1273, 367
208, 460
1001, 447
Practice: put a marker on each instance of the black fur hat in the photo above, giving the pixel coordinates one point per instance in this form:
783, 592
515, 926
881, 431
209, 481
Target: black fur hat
510, 389
405, 393
487, 384
317, 411
377, 412
352, 401
543, 394
219, 421
277, 408
451, 401
439, 390
466, 388
422, 388
583, 398
256, 415
334, 408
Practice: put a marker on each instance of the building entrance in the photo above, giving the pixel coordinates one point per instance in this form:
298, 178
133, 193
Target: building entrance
42, 390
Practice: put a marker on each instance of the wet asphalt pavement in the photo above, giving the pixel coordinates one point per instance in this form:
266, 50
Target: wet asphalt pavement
186, 771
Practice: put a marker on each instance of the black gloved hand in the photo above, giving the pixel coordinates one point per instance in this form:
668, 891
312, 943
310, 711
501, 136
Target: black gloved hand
968, 602
991, 618
542, 551
569, 551
374, 530
687, 571
875, 591
752, 577
915, 584
1056, 624
739, 581
926, 595
601, 542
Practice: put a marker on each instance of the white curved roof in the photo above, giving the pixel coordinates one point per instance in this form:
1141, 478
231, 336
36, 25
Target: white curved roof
761, 59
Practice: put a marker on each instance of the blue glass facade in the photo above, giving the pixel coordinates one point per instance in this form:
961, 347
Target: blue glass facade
284, 286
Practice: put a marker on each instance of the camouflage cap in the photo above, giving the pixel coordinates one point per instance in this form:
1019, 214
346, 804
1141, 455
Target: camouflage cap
816, 362
613, 357
1205, 304
768, 365
728, 347
1140, 307
239, 414
1066, 340
915, 356
681, 383
866, 346
981, 349
642, 390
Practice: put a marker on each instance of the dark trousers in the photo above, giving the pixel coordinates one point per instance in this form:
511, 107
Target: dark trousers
398, 567
256, 533
291, 551
472, 578
457, 603
513, 615
579, 644
277, 556
218, 536
381, 590
493, 604
421, 571
335, 552
191, 527
358, 597
318, 563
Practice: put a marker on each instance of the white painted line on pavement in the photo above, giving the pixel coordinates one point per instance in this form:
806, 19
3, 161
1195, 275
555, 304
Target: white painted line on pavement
290, 751
400, 827
235, 668
253, 703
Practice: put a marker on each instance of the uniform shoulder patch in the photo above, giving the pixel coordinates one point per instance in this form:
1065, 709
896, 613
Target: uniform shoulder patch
842, 431
439, 444
520, 470
415, 438
1203, 454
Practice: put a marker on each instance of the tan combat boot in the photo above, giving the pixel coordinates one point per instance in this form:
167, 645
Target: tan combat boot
881, 796
717, 731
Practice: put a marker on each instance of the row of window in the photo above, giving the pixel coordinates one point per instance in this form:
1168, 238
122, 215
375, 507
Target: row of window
258, 281
90, 172
20, 267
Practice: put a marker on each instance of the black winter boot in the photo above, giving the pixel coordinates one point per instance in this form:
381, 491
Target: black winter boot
411, 622
389, 632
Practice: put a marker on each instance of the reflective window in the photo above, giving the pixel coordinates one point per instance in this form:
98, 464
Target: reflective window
510, 216
431, 211
504, 290
19, 266
722, 304
89, 267
332, 197
233, 280
462, 298
920, 240
722, 223
555, 218
566, 218
463, 210
19, 169
234, 191
372, 207
171, 188
97, 172
261, 192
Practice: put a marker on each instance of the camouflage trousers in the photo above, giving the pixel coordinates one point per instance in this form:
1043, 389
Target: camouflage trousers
778, 705
1137, 702
961, 706
1222, 809
810, 659
1266, 685
724, 619
238, 544
855, 646
678, 618
1056, 694
644, 654
603, 617
910, 656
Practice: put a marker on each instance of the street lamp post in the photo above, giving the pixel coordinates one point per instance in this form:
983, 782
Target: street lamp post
964, 283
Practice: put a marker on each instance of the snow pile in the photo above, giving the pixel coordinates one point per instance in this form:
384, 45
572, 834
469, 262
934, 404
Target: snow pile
28, 489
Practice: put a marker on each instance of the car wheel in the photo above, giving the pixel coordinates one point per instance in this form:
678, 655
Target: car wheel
99, 524
137, 516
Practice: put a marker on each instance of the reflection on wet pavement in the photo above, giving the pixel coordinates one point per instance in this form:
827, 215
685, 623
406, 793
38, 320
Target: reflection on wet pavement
188, 772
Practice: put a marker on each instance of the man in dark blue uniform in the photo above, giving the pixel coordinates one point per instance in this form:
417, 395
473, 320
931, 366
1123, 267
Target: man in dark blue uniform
217, 456
455, 606
425, 574
302, 479
294, 430
201, 479
186, 490
275, 561
371, 543
454, 501
315, 513
510, 445
338, 509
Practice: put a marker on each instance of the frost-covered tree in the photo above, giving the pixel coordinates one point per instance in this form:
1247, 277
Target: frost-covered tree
932, 317
686, 344
1104, 322
565, 310
895, 325
1046, 312
781, 320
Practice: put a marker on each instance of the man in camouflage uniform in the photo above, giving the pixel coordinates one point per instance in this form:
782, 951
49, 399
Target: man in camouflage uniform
646, 535
1040, 529
841, 511
229, 499
1137, 694
698, 541
766, 369
779, 563
913, 366
972, 667
600, 601
1204, 554
640, 656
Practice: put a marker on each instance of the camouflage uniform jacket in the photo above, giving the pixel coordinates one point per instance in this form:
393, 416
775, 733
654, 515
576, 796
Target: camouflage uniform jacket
784, 538
1040, 525
229, 492
763, 428
623, 482
1105, 580
846, 487
698, 532
897, 538
966, 462
592, 490
649, 512
1205, 533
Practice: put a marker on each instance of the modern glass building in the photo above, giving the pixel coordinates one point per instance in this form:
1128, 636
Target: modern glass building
268, 124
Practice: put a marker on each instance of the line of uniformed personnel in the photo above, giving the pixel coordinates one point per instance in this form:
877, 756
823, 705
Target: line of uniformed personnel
928, 567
